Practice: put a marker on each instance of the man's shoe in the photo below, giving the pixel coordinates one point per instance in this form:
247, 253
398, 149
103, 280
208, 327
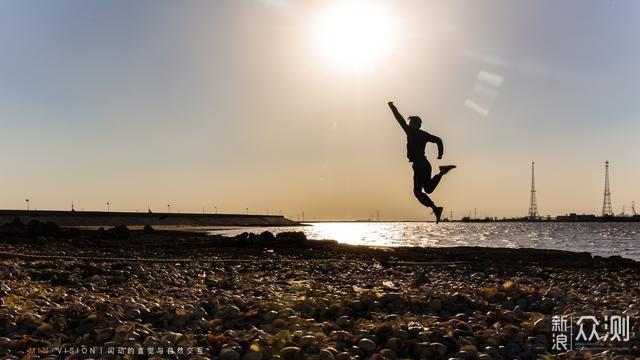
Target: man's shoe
446, 168
438, 213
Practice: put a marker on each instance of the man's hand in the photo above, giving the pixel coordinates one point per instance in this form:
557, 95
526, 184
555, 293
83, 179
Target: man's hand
398, 116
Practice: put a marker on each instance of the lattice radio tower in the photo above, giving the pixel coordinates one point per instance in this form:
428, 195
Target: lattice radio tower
606, 204
533, 204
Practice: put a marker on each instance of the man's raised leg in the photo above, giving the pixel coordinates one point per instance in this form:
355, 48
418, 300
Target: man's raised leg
432, 183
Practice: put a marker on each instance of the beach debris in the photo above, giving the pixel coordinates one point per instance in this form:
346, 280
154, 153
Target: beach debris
234, 302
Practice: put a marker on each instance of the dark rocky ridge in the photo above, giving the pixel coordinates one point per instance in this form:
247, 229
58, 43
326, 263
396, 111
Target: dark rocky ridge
114, 218
172, 244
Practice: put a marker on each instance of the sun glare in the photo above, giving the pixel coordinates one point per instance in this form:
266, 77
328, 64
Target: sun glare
354, 33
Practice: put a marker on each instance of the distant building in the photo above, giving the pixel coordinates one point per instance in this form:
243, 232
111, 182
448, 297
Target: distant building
576, 217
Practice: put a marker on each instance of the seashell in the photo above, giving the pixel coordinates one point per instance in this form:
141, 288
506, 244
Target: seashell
367, 345
104, 335
289, 352
46, 330
85, 326
228, 312
228, 354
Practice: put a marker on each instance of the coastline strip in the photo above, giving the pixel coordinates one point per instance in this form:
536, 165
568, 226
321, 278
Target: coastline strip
10, 255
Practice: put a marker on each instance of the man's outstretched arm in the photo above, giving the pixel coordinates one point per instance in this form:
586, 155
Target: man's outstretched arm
436, 140
398, 116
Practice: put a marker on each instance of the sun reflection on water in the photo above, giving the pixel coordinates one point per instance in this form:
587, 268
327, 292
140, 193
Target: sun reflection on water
604, 239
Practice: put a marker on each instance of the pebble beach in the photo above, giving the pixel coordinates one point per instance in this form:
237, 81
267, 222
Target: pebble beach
184, 295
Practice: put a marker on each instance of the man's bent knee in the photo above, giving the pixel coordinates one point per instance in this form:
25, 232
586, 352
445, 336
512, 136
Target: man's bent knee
417, 192
423, 198
430, 186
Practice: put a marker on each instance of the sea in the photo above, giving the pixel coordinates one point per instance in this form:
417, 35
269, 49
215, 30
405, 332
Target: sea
598, 238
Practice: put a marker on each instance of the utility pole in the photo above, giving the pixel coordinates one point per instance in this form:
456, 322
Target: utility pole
108, 207
27, 200
606, 204
533, 203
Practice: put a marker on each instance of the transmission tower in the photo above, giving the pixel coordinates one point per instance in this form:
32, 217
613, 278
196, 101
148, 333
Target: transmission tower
606, 204
533, 204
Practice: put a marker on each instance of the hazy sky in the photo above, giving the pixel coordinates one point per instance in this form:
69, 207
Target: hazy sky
266, 104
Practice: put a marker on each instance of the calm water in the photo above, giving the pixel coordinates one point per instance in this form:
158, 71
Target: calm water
603, 239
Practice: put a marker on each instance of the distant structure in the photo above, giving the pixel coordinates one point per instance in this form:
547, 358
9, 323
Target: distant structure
533, 204
606, 204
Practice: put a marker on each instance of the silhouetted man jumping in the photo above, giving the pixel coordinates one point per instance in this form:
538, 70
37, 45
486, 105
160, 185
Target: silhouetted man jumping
416, 145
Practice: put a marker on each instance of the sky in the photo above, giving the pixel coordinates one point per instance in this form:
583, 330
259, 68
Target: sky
276, 105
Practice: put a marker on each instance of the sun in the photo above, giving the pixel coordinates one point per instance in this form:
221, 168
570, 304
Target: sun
354, 33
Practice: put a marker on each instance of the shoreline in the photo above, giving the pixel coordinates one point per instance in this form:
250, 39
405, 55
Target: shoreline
115, 218
265, 296
186, 240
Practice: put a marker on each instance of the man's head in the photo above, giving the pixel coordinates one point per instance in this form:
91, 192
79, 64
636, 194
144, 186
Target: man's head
415, 122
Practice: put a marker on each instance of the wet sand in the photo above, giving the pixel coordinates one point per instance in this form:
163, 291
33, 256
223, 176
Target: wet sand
266, 297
